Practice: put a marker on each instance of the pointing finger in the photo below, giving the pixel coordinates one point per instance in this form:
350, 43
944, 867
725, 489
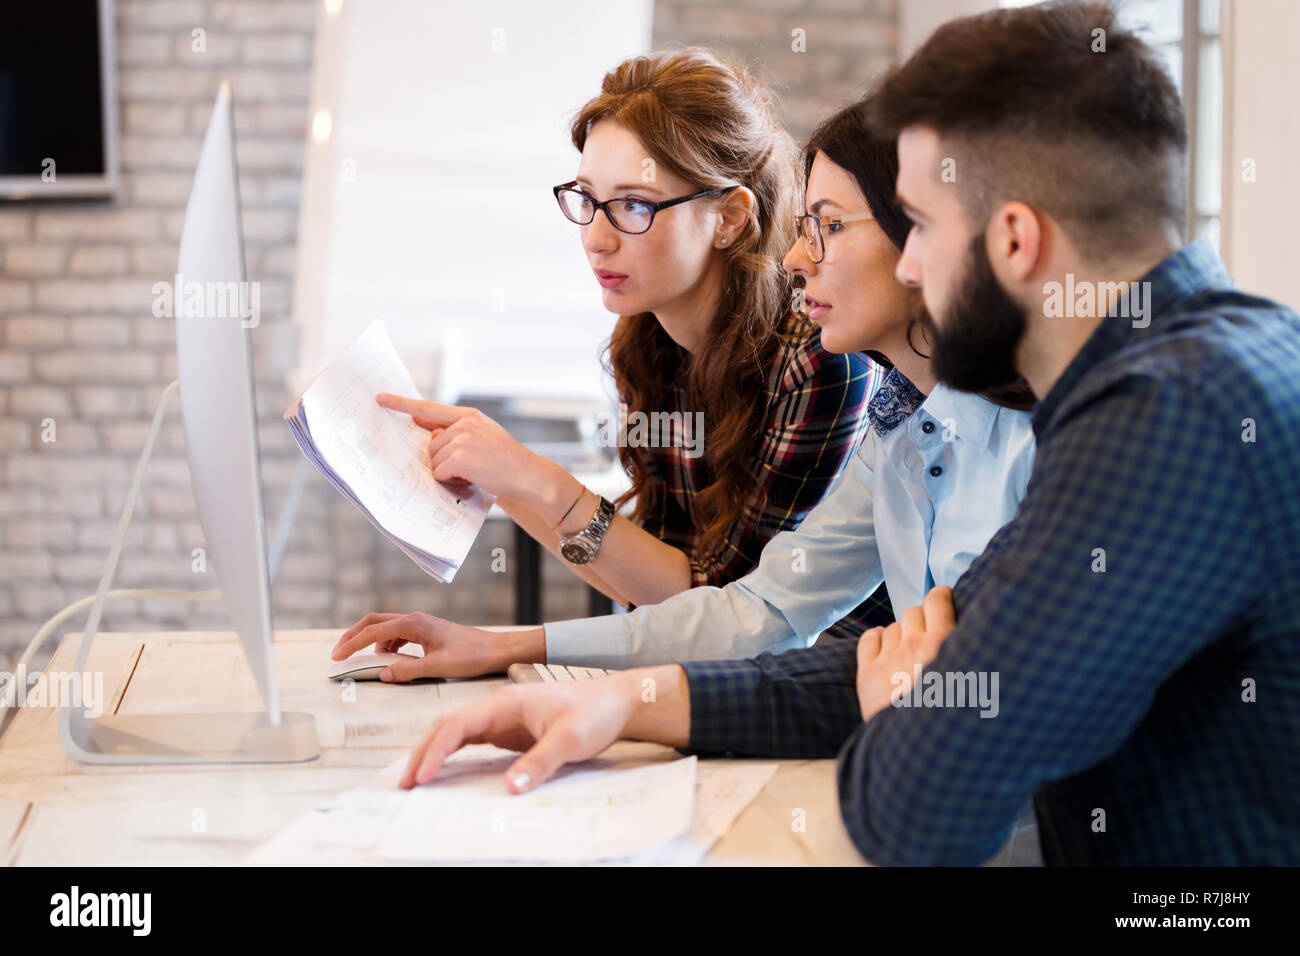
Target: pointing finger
430, 411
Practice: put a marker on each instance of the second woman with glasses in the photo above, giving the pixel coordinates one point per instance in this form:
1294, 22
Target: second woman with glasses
685, 198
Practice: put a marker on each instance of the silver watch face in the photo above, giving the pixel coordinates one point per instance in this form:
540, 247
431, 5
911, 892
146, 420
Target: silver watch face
576, 551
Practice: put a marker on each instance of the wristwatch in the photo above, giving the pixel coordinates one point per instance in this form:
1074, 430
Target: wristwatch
581, 548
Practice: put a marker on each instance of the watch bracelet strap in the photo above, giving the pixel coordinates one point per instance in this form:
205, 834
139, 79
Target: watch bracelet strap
602, 519
599, 524
605, 515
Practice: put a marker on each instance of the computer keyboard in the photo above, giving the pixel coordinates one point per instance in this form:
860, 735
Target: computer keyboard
549, 673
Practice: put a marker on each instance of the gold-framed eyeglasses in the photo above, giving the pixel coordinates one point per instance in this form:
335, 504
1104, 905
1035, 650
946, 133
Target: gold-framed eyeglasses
810, 230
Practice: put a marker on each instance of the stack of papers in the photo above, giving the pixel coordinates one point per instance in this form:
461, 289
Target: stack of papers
576, 817
663, 814
378, 458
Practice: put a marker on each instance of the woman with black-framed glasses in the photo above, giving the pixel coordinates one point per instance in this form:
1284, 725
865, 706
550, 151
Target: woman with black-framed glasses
633, 216
684, 201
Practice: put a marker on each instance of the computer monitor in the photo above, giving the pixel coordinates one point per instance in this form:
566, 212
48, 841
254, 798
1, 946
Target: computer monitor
214, 364
216, 313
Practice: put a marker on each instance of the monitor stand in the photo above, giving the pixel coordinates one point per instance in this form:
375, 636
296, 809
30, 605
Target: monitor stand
230, 737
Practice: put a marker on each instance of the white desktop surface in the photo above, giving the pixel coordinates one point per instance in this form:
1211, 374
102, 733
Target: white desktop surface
55, 811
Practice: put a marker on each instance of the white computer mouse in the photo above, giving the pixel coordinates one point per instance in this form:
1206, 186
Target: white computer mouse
365, 666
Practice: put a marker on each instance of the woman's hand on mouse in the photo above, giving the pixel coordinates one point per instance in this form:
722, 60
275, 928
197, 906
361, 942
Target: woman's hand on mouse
450, 649
468, 447
552, 724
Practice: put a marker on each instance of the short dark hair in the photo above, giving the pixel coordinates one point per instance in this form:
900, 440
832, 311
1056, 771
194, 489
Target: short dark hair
1032, 110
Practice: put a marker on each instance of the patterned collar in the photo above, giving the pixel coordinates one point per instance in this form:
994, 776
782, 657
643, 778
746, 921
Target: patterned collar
895, 400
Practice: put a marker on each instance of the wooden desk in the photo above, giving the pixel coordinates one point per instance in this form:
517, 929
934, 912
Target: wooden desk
55, 811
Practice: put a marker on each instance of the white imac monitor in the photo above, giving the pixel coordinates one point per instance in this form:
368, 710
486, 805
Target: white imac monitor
215, 322
216, 315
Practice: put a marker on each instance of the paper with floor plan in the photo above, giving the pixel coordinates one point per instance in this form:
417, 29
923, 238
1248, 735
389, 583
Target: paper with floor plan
348, 829
378, 458
575, 817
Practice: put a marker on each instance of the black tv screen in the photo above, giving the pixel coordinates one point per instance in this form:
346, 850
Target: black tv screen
57, 109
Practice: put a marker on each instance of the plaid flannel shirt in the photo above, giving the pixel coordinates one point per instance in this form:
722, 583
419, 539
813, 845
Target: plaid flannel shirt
816, 404
1152, 709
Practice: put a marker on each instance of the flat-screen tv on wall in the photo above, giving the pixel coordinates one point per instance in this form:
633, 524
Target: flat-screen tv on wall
58, 99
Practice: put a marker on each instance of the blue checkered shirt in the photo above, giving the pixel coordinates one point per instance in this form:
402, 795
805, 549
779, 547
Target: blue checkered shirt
1141, 612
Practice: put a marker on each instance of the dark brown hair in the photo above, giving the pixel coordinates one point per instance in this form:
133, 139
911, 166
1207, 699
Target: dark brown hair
1056, 106
872, 161
711, 123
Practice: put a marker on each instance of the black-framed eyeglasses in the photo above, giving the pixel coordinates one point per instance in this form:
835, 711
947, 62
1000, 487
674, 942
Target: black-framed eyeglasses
632, 216
809, 229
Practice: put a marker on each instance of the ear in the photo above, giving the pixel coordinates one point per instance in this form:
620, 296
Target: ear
1015, 241
736, 208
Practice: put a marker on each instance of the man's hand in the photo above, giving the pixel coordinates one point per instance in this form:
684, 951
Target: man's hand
553, 724
450, 650
910, 642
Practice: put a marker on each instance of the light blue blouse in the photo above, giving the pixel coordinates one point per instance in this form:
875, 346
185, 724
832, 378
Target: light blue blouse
933, 480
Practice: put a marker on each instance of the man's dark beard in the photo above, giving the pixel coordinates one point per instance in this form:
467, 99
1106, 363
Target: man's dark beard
974, 350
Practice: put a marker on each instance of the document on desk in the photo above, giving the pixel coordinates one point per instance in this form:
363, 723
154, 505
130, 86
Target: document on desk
378, 458
578, 816
360, 825
343, 831
723, 789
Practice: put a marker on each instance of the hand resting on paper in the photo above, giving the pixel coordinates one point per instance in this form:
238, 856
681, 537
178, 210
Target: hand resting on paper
555, 724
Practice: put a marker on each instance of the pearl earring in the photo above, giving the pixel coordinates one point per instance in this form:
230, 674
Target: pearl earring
723, 240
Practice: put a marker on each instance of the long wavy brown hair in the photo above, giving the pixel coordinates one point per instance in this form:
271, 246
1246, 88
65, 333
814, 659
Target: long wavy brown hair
711, 123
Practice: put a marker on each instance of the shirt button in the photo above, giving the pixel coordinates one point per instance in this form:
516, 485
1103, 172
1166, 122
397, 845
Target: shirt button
936, 471
927, 427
